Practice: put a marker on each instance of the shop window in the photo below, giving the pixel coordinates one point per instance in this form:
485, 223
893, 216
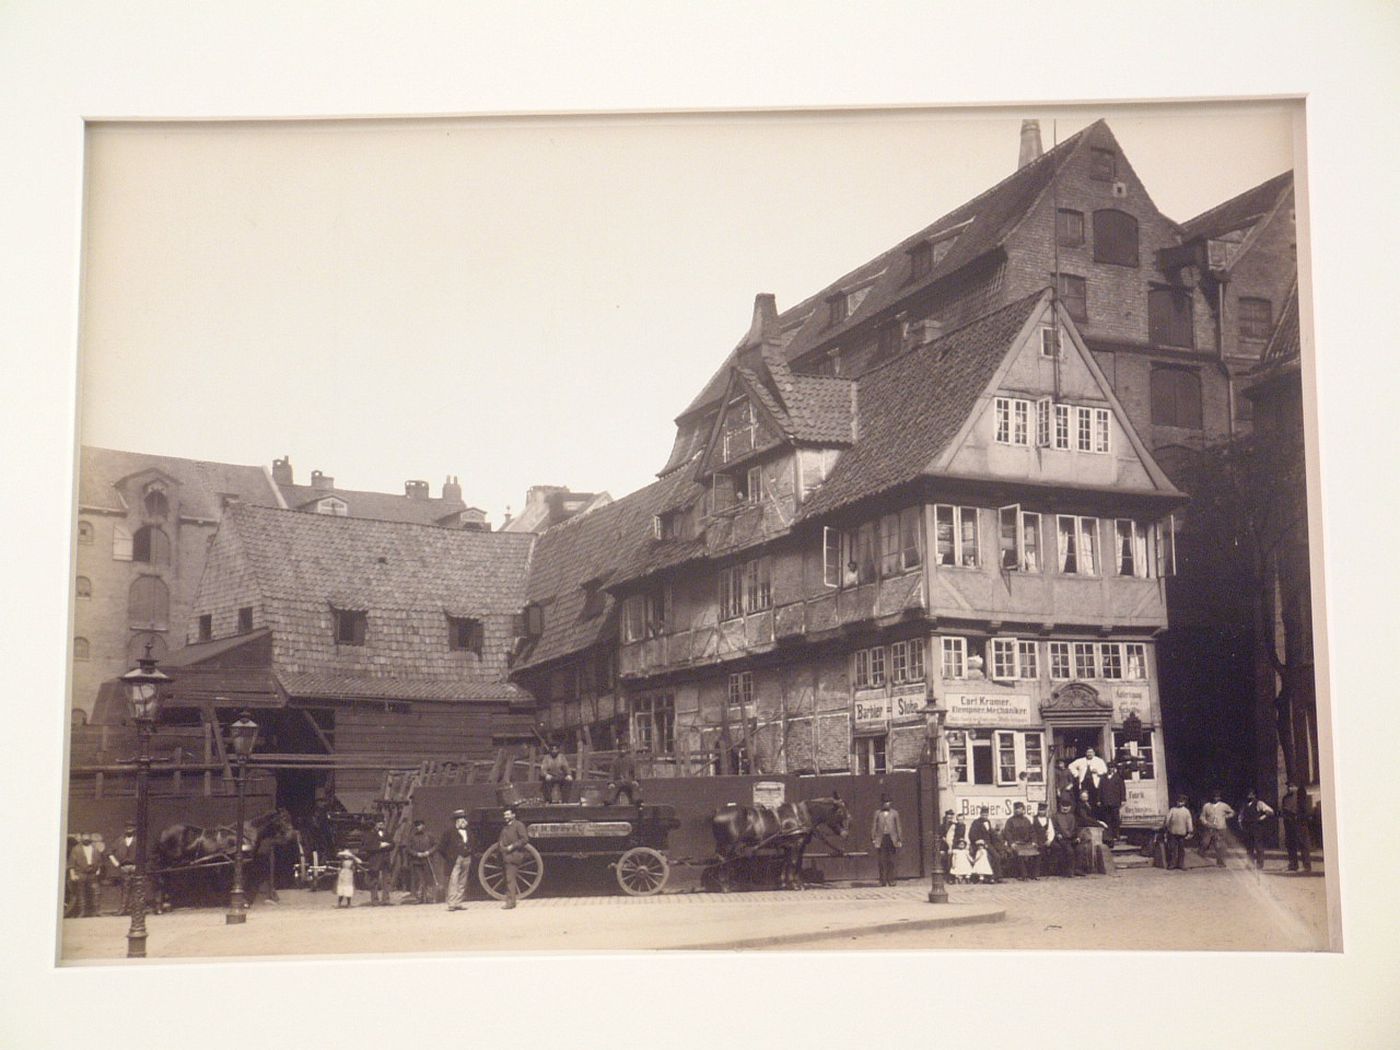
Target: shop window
1256, 318
1034, 763
82, 649
1115, 238
871, 754
464, 634
1069, 228
1131, 552
205, 627
350, 626
1085, 664
1142, 750
84, 587
1060, 666
954, 652
1103, 165
150, 545
955, 529
85, 532
654, 724
148, 603
1111, 660
1169, 318
245, 619
1176, 398
1012, 421
1074, 295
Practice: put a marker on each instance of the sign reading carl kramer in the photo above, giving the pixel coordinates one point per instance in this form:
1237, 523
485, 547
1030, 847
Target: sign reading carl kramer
989, 709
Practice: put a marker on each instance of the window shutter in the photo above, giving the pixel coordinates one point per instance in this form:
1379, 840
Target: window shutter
121, 543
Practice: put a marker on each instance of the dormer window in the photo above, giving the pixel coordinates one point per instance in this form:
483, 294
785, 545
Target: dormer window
594, 598
465, 634
920, 260
157, 506
836, 309
350, 626
748, 486
740, 429
335, 507
889, 339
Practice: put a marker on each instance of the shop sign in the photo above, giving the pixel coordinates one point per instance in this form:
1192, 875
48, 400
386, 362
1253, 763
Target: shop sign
989, 709
771, 793
872, 712
1132, 699
999, 807
1140, 802
907, 703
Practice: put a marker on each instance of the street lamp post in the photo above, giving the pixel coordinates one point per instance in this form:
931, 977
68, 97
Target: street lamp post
937, 892
244, 732
143, 685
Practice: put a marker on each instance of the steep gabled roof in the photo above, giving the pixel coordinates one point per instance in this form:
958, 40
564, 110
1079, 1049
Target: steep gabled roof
379, 506
1239, 211
1282, 354
981, 225
912, 407
202, 484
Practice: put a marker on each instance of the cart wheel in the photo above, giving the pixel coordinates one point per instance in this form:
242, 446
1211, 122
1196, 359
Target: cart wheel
492, 872
642, 871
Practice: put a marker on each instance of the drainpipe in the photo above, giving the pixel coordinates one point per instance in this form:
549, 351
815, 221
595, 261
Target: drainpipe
1220, 354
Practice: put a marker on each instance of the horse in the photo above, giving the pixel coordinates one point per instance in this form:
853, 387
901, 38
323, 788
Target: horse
741, 831
191, 849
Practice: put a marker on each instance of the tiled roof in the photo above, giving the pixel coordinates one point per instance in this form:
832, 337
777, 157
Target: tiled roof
1237, 212
202, 484
821, 409
334, 685
981, 225
380, 506
912, 407
595, 546
372, 564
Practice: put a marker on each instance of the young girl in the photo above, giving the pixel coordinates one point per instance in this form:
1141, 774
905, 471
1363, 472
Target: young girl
981, 862
959, 862
345, 881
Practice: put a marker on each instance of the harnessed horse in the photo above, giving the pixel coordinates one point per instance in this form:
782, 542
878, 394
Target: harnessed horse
182, 848
742, 831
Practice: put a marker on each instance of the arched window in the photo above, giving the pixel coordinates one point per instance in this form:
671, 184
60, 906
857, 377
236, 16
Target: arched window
81, 649
150, 545
136, 648
85, 532
148, 603
157, 506
1115, 238
1176, 398
84, 587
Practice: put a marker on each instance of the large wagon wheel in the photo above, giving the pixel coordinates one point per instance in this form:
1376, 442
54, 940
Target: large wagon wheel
492, 872
642, 871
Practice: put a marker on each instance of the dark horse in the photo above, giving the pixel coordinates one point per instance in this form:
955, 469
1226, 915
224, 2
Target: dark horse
742, 831
194, 858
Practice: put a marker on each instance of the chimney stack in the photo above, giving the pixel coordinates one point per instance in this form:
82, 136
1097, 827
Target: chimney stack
282, 471
322, 481
765, 318
452, 488
415, 489
1030, 142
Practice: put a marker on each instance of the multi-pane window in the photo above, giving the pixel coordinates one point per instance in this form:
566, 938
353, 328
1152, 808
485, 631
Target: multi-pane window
1115, 238
1135, 661
1006, 758
1078, 545
1110, 660
741, 689
1062, 427
1074, 294
1013, 421
1140, 749
1019, 538
1130, 554
1085, 665
1169, 319
1084, 429
907, 662
740, 428
871, 754
886, 547
731, 592
955, 532
634, 618
654, 724
1103, 430
1028, 658
1044, 422
1059, 662
1035, 757
954, 652
987, 756
1165, 534
1256, 318
746, 587
758, 589
1004, 658
1069, 227
877, 665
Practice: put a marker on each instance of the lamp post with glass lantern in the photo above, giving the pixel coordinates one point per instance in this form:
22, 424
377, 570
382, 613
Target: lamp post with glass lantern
143, 685
244, 733
937, 892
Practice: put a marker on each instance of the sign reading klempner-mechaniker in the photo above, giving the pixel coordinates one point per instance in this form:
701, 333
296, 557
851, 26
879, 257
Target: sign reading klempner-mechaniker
989, 709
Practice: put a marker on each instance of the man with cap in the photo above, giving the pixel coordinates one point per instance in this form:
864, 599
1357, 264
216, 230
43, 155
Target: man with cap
123, 864
982, 831
623, 777
555, 775
512, 843
85, 865
456, 850
1253, 815
420, 851
1178, 825
1022, 851
945, 826
377, 852
1215, 816
887, 836
1065, 829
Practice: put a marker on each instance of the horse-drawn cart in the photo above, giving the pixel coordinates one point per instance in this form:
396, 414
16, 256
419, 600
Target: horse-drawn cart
629, 840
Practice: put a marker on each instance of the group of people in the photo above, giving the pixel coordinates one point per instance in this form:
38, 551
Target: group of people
91, 865
1212, 828
1025, 847
557, 776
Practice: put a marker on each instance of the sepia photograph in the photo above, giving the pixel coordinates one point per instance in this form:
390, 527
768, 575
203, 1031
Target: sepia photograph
865, 529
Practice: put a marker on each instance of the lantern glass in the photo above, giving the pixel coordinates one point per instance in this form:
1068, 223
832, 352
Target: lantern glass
245, 734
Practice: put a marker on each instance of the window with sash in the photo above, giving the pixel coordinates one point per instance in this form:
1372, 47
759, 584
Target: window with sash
1111, 660
1062, 413
654, 724
1085, 665
1060, 666
955, 531
1135, 661
1013, 416
954, 652
907, 662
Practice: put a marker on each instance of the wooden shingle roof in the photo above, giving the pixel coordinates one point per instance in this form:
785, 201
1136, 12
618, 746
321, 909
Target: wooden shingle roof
202, 484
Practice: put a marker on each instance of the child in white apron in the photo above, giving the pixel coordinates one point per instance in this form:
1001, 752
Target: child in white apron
959, 862
345, 880
981, 862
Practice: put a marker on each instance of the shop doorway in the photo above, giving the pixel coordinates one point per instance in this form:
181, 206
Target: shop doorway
1071, 741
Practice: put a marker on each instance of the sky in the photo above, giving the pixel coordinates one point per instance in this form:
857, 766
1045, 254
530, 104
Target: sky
523, 300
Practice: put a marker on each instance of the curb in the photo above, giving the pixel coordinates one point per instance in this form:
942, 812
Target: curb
974, 917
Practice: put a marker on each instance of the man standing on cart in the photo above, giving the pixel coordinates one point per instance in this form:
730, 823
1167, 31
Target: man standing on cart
512, 843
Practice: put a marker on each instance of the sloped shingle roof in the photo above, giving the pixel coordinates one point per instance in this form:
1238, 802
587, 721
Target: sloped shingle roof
1239, 211
380, 506
202, 484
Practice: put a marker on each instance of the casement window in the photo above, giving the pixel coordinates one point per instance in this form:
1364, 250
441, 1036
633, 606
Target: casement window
731, 592
1115, 238
245, 619
871, 754
1085, 664
1176, 397
1004, 659
1062, 413
954, 652
634, 614
920, 260
1044, 422
1103, 165
1256, 318
748, 487
996, 756
868, 667
350, 626
758, 589
1078, 545
833, 546
1074, 294
1013, 416
1111, 660
1006, 757
1069, 228
1135, 661
1130, 554
1142, 750
1169, 318
1060, 667
1028, 659
907, 662
883, 548
741, 691
465, 634
911, 538
1033, 746
955, 531
1103, 430
866, 554
150, 545
1165, 540
1019, 538
740, 429
654, 724
204, 627
1084, 429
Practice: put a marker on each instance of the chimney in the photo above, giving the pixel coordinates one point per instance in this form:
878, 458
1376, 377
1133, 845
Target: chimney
452, 489
282, 471
765, 318
322, 481
415, 489
1030, 142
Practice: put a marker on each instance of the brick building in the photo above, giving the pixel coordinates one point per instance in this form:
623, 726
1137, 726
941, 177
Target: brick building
145, 523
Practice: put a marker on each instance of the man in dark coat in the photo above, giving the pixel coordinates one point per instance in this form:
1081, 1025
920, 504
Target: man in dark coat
1066, 832
1296, 810
1113, 792
512, 841
887, 836
122, 859
623, 777
85, 864
1023, 854
981, 831
421, 848
1253, 815
377, 852
456, 849
555, 776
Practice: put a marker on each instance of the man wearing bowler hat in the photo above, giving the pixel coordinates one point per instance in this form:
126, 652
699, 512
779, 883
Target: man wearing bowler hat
456, 850
887, 836
123, 860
